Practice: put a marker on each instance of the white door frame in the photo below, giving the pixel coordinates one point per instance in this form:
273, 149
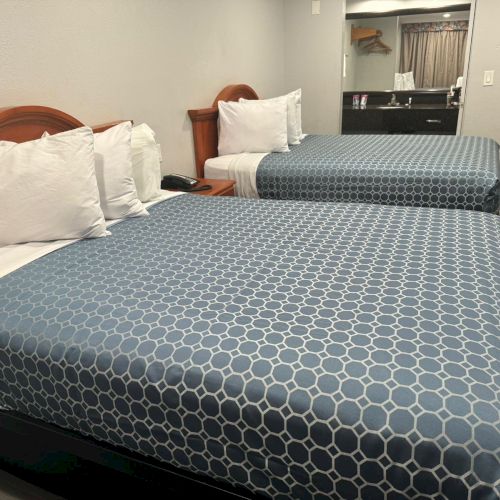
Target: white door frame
472, 18
342, 68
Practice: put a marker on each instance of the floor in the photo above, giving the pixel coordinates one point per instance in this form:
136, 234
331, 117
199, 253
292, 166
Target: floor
12, 488
38, 464
73, 480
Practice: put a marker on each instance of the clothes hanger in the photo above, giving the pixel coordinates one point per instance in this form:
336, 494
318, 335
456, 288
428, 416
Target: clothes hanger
377, 45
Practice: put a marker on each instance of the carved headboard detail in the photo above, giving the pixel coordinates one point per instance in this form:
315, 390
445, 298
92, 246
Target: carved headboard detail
205, 133
27, 123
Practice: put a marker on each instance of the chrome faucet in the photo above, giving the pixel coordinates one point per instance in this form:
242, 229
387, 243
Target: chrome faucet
394, 101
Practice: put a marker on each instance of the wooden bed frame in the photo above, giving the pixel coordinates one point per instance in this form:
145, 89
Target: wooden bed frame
27, 123
205, 132
26, 442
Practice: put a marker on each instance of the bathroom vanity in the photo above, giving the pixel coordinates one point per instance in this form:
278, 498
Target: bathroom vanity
428, 113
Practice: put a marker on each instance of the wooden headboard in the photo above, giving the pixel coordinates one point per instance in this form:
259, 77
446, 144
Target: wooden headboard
205, 133
27, 123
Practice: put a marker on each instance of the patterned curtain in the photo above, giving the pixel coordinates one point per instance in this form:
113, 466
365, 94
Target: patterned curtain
434, 52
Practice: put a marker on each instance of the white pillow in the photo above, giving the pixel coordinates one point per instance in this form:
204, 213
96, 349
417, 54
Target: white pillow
298, 93
113, 167
253, 126
49, 189
294, 127
146, 158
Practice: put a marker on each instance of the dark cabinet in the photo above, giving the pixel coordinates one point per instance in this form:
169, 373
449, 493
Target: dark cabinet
430, 121
428, 113
368, 121
422, 120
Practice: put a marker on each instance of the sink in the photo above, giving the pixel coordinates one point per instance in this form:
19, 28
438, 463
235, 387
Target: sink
390, 107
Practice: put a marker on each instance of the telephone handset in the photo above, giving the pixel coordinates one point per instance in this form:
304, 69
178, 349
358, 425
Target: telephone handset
182, 183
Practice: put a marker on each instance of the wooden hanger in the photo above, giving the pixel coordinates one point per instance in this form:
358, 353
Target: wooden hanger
371, 35
377, 45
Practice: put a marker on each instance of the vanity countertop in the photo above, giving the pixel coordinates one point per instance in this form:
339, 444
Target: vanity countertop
383, 107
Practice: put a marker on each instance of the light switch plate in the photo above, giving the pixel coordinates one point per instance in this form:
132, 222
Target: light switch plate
489, 78
315, 7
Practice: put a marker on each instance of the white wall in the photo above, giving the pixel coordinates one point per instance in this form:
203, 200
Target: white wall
148, 60
482, 104
350, 51
385, 5
313, 61
375, 70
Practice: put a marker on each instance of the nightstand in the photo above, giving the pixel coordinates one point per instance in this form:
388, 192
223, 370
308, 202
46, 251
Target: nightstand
219, 187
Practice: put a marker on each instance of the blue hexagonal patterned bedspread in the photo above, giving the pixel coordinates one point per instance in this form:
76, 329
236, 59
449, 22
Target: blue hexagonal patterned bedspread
406, 170
302, 350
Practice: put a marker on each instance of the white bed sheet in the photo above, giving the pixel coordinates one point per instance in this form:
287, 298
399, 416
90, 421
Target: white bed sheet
13, 257
241, 168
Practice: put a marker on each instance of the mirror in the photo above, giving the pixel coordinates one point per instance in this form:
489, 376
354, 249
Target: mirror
405, 49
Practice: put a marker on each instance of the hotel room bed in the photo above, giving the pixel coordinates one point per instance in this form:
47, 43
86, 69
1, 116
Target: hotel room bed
296, 349
427, 171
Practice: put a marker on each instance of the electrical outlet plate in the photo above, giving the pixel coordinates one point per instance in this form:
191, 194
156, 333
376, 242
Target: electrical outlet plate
315, 7
489, 78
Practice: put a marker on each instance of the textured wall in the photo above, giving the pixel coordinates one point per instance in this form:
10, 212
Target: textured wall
482, 104
313, 58
149, 60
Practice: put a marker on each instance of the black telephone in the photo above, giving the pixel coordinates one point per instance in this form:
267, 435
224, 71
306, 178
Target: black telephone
176, 181
182, 183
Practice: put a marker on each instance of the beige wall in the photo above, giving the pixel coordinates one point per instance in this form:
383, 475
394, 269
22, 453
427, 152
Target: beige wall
374, 70
313, 61
482, 104
149, 60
